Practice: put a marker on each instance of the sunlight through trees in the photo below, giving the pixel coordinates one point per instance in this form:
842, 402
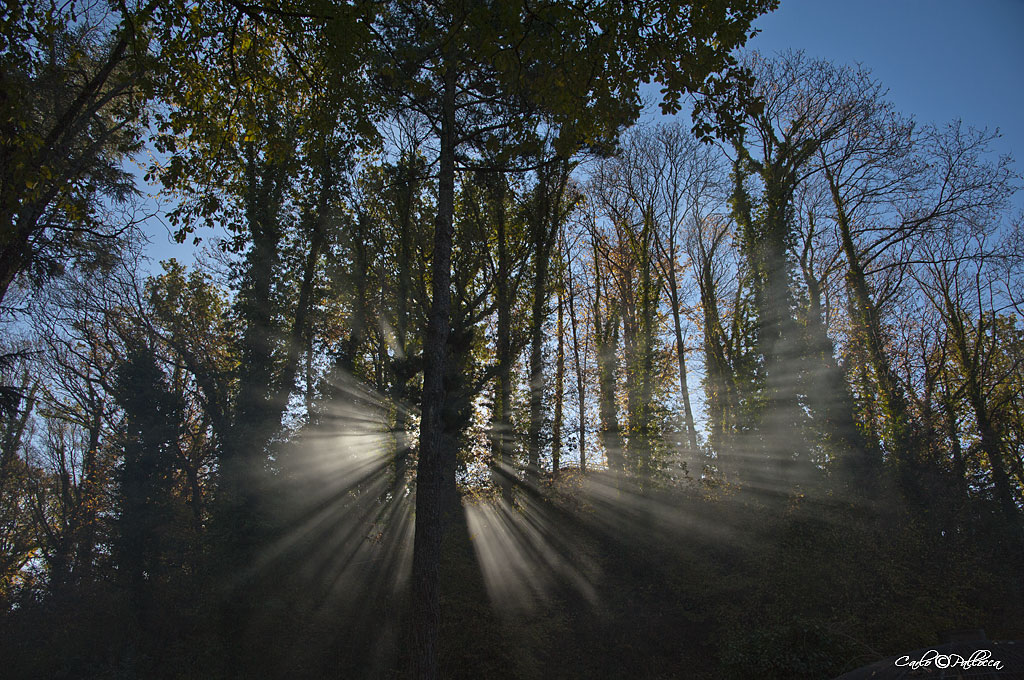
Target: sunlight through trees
476, 375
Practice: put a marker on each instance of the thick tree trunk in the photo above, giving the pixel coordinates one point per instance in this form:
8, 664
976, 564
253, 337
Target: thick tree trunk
434, 464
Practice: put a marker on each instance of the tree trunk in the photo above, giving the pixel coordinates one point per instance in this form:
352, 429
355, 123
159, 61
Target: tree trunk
556, 426
501, 421
718, 379
539, 314
606, 334
580, 388
684, 389
435, 460
401, 367
897, 429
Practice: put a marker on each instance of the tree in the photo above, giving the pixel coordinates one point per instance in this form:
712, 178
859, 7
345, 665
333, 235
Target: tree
893, 187
77, 325
73, 94
960, 283
18, 542
656, 191
626, 193
547, 212
498, 58
152, 424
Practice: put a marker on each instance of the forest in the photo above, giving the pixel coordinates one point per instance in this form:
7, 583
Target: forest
518, 339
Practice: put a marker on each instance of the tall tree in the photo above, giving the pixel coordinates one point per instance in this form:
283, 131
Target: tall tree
547, 214
507, 60
153, 415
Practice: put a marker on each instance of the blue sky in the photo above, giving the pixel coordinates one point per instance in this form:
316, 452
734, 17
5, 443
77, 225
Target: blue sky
940, 59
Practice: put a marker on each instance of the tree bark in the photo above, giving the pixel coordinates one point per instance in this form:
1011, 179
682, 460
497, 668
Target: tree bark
684, 389
539, 314
501, 422
556, 426
580, 387
868, 327
435, 459
606, 334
